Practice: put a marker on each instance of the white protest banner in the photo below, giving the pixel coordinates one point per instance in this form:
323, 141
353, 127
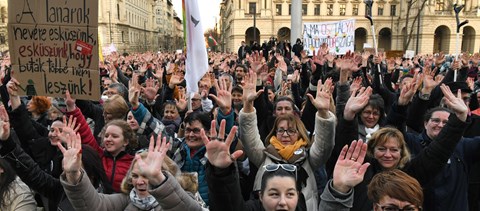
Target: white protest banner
54, 47
338, 35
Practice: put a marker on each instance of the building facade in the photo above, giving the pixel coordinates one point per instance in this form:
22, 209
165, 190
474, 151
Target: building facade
397, 24
131, 25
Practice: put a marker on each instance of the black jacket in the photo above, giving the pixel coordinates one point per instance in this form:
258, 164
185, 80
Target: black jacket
423, 167
224, 191
30, 173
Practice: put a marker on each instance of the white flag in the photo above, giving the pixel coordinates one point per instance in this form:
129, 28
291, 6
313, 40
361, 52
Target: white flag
197, 59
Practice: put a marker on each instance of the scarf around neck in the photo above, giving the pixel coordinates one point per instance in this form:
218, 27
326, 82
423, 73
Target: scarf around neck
148, 203
287, 151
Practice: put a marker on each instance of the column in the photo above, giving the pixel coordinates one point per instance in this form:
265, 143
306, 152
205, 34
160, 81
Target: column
296, 22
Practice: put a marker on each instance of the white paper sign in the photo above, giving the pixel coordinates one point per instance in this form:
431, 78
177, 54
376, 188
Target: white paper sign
339, 36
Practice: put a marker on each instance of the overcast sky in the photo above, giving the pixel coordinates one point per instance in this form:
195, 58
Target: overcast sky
209, 10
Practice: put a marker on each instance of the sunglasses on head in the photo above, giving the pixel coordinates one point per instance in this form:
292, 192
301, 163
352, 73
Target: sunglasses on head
287, 167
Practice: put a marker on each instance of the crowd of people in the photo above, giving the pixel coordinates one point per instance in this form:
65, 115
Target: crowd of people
270, 128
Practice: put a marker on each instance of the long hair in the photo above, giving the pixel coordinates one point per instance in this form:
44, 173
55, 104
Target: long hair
6, 178
92, 164
129, 135
295, 122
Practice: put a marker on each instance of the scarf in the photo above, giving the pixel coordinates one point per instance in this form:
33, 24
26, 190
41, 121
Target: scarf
148, 203
369, 131
171, 126
287, 151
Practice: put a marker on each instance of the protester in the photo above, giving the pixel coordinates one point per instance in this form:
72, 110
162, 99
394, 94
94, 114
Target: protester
288, 141
14, 194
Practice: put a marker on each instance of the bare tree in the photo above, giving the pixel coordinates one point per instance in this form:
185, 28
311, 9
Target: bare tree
407, 38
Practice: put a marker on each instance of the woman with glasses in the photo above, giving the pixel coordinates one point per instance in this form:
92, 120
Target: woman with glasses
395, 191
288, 142
387, 149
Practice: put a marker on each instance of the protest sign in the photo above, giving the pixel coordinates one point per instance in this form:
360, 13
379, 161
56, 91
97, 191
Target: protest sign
338, 35
54, 47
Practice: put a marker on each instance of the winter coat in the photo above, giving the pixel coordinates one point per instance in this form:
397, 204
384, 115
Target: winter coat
225, 192
19, 197
180, 153
37, 179
448, 189
169, 195
333, 200
423, 167
313, 158
116, 167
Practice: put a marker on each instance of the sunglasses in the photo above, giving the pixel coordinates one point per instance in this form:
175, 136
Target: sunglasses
287, 167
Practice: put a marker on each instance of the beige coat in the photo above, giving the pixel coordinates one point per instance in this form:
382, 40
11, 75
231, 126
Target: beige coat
317, 155
169, 195
20, 197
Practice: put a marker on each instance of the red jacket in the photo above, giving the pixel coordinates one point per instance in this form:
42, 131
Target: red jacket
116, 168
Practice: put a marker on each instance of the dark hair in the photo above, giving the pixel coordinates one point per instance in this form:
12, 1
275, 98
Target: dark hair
285, 98
122, 90
6, 178
405, 76
92, 164
202, 117
280, 172
395, 184
376, 102
237, 89
430, 112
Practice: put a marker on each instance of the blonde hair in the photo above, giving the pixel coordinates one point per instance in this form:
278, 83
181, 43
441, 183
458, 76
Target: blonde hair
116, 106
295, 122
381, 137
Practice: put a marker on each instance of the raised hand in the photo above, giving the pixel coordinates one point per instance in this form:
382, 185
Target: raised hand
356, 84
72, 157
134, 90
457, 104
218, 152
151, 166
175, 80
181, 101
407, 93
350, 169
151, 89
356, 102
70, 128
429, 80
249, 93
12, 89
224, 95
69, 101
4, 124
322, 99
281, 63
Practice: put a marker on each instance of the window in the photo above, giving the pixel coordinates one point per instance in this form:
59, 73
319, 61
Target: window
123, 37
278, 9
393, 10
289, 9
118, 11
343, 9
380, 10
329, 9
252, 8
355, 10
316, 11
304, 9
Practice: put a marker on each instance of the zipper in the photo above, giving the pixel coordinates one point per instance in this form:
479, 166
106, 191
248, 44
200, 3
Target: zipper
113, 169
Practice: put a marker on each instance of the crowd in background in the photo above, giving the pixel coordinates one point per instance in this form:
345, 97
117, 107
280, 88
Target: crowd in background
271, 128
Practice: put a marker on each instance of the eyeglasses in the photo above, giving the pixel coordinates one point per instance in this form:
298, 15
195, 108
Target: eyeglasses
395, 208
194, 130
368, 113
290, 131
287, 167
437, 121
196, 99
